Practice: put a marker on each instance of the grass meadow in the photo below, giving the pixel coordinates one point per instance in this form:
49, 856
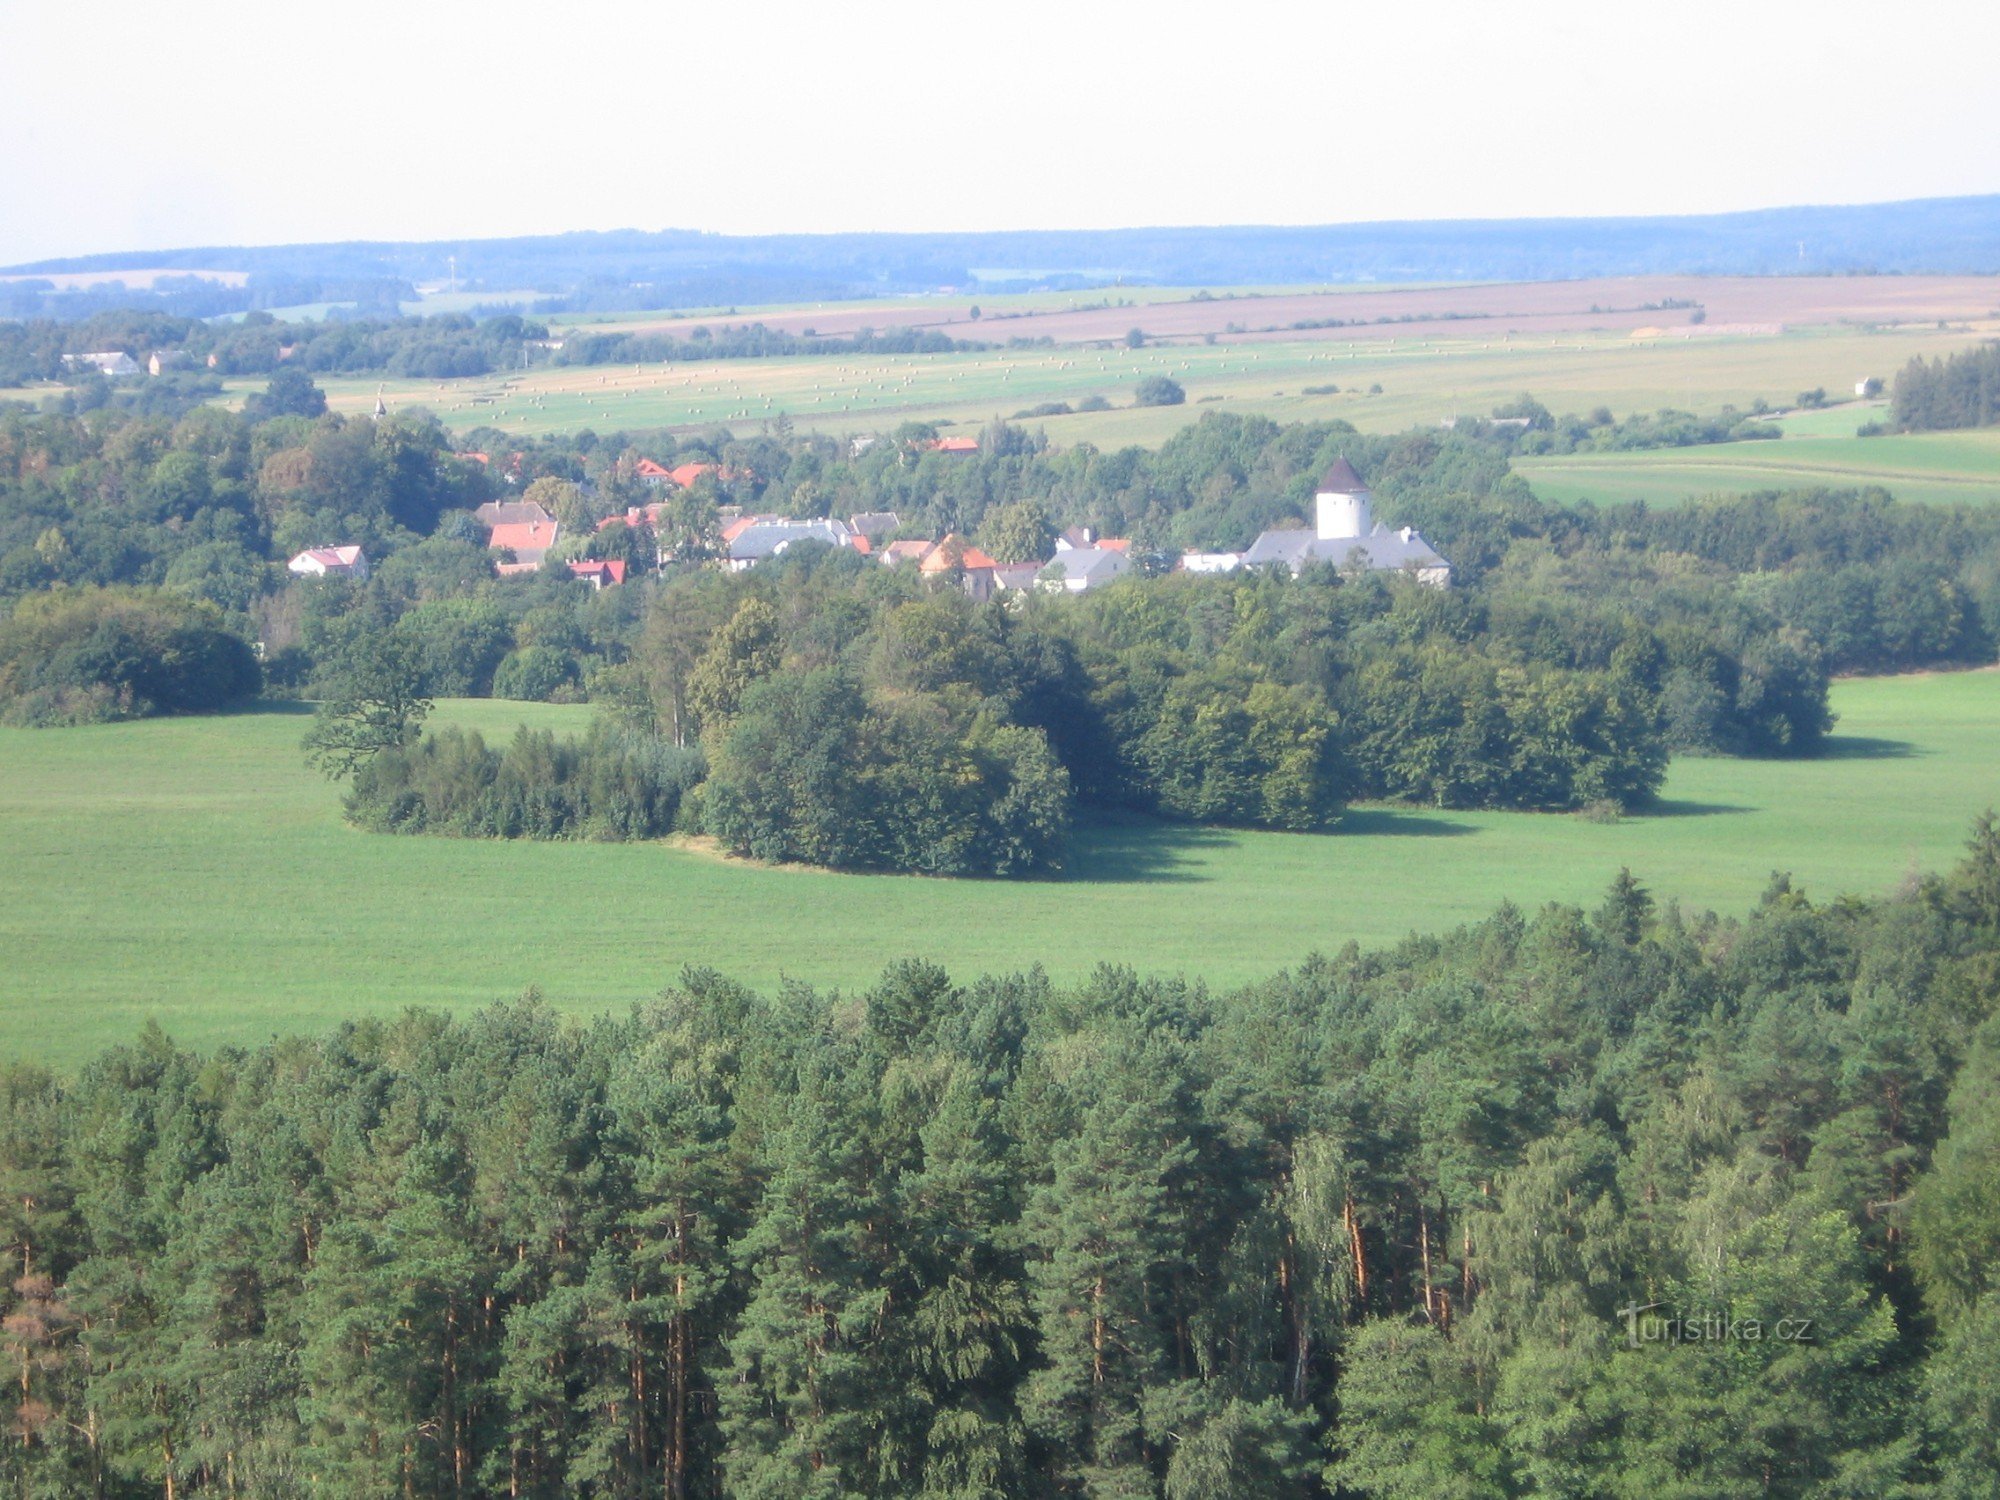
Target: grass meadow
1930, 467
194, 872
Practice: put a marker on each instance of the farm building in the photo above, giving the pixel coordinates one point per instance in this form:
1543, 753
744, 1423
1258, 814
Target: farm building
1345, 532
163, 360
330, 562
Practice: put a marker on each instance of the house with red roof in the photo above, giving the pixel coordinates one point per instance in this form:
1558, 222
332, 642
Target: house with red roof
955, 558
330, 562
955, 447
600, 573
529, 541
910, 549
648, 472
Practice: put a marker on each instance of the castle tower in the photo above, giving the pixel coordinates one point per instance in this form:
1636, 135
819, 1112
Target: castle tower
1343, 507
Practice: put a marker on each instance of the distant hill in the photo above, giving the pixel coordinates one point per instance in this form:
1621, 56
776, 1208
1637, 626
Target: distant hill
626, 269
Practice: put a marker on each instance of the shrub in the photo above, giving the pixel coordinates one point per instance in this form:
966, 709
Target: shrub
534, 674
87, 655
1159, 390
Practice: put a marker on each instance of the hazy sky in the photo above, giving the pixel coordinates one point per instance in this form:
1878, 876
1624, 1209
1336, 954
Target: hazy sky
198, 122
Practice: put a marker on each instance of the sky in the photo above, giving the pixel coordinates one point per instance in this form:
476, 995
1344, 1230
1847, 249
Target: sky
127, 126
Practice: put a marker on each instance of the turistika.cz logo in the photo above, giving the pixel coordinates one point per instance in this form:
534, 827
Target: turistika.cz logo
1646, 1324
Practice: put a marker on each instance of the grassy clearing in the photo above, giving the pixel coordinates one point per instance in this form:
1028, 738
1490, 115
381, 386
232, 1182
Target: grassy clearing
1931, 467
195, 872
1423, 378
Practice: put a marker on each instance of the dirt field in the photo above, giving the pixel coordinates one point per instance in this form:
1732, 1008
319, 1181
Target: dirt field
1731, 304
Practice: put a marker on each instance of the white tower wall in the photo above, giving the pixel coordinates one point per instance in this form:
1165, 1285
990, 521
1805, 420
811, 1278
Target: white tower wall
1344, 515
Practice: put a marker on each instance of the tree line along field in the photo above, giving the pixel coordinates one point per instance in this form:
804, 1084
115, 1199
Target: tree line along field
194, 872
1424, 378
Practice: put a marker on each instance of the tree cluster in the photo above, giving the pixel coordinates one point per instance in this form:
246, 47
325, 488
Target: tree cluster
1961, 390
89, 655
611, 784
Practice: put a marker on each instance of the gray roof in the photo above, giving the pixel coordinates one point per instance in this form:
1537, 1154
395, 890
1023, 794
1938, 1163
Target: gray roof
874, 523
1016, 575
1092, 564
511, 513
1381, 548
769, 538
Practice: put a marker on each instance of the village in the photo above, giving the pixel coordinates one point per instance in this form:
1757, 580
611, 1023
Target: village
523, 535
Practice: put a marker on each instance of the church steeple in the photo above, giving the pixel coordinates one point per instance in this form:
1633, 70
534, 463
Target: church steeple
381, 411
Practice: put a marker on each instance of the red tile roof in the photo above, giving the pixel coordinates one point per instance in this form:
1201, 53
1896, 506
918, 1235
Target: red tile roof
522, 537
647, 469
953, 445
1114, 544
610, 568
940, 557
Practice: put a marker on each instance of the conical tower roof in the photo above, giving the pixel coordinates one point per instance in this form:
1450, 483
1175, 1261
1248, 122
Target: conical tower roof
1341, 479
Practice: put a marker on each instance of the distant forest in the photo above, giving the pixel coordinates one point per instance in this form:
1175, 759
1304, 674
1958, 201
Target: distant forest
630, 269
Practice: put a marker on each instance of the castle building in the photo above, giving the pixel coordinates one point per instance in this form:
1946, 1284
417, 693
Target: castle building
1346, 534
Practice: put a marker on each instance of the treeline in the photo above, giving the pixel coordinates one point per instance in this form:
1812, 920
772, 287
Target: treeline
1961, 390
747, 341
1613, 1203
1533, 429
442, 346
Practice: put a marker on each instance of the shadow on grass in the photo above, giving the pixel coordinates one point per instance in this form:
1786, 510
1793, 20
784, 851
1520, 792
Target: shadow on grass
1687, 807
1139, 851
1136, 850
285, 706
1386, 822
1866, 747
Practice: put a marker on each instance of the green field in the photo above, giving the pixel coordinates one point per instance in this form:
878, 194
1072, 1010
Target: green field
193, 871
1424, 379
1931, 467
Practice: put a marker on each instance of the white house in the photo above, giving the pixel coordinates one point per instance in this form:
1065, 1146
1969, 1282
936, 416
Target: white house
110, 363
1211, 562
335, 562
1084, 568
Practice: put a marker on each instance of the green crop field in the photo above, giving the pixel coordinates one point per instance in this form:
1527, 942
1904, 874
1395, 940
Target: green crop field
193, 871
1930, 467
1424, 378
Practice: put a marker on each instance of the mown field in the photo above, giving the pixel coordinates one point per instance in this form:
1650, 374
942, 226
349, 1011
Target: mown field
1929, 467
194, 872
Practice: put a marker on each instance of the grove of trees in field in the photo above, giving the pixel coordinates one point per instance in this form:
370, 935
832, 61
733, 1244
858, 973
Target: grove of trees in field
1960, 390
1621, 1202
